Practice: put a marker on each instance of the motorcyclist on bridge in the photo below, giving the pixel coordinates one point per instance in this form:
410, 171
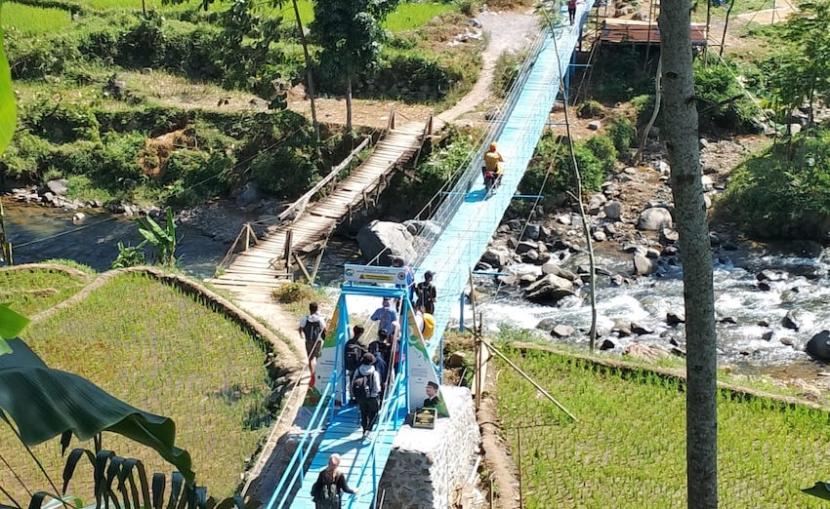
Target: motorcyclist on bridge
493, 168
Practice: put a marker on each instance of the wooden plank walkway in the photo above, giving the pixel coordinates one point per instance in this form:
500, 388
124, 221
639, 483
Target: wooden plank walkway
254, 274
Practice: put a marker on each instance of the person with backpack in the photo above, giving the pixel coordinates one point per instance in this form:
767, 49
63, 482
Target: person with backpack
327, 491
365, 388
354, 350
380, 365
313, 331
426, 293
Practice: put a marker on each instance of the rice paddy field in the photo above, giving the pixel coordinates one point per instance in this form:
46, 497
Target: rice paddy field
627, 450
31, 291
34, 20
159, 350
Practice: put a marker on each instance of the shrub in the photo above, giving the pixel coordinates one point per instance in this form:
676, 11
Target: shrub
622, 134
286, 173
643, 108
506, 71
25, 156
291, 293
117, 160
589, 109
468, 7
604, 150
783, 192
60, 122
721, 100
618, 75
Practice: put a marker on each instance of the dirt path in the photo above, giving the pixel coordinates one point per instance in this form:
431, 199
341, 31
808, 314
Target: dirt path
507, 31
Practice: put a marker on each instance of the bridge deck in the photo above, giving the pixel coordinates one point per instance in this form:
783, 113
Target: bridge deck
252, 277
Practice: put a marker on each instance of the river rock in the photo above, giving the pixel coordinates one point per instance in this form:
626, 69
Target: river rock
496, 257
564, 219
59, 186
556, 270
531, 256
653, 253
643, 266
787, 341
549, 289
526, 246
546, 324
595, 203
622, 328
767, 336
428, 229
669, 236
730, 320
600, 236
386, 240
594, 125
818, 346
640, 329
669, 251
654, 219
643, 351
610, 229
78, 218
764, 286
532, 232
607, 344
770, 275
249, 195
613, 210
562, 331
675, 318
792, 320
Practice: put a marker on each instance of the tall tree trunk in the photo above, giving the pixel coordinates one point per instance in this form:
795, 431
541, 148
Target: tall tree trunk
695, 250
349, 104
725, 28
658, 89
309, 81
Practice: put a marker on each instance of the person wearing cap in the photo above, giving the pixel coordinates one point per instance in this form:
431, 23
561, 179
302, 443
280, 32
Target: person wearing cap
409, 276
366, 390
426, 293
432, 396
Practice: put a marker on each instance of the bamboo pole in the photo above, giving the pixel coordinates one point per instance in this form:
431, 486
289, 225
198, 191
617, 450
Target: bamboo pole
528, 378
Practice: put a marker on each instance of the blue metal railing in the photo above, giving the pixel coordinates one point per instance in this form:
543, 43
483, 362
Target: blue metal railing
298, 460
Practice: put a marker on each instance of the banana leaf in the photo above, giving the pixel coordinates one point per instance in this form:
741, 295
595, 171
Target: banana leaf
11, 324
46, 403
821, 490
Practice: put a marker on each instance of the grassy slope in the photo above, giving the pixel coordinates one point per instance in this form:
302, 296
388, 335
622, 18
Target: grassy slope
29, 292
628, 448
159, 350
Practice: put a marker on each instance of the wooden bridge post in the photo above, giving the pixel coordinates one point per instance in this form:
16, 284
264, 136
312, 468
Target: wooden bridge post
288, 240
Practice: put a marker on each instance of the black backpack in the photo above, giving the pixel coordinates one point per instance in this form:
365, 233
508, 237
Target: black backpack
325, 494
360, 386
354, 354
312, 329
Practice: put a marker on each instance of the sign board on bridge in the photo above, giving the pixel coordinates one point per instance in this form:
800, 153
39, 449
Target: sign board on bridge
369, 274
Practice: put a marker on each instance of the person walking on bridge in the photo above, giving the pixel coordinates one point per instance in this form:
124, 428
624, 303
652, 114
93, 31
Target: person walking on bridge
365, 388
426, 293
330, 486
572, 11
313, 331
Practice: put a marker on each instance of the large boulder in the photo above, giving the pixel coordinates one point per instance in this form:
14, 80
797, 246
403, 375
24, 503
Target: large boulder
58, 187
613, 210
643, 265
819, 346
556, 270
386, 240
654, 219
428, 229
496, 257
549, 290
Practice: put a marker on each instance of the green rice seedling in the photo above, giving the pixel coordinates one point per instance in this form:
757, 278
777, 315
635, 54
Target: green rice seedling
31, 291
34, 20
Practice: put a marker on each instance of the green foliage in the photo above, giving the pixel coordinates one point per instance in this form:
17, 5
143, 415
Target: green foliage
800, 71
622, 133
25, 156
162, 239
34, 20
60, 122
468, 7
434, 171
11, 325
410, 76
643, 108
8, 107
129, 256
784, 191
589, 109
553, 153
767, 451
721, 101
284, 172
505, 72
618, 75
412, 15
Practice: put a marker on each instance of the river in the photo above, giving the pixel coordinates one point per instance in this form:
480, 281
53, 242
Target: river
645, 300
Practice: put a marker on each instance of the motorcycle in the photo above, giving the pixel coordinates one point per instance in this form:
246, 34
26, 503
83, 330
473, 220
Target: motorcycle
491, 181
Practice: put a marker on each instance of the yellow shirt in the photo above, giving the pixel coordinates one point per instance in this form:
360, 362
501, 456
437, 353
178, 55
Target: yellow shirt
492, 161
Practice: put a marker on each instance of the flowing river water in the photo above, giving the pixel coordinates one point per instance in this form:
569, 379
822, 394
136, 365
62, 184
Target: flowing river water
743, 309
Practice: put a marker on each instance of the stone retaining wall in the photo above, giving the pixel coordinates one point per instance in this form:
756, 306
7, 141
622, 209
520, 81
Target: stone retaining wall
427, 467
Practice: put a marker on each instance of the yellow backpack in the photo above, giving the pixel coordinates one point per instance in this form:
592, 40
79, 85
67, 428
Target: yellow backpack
429, 325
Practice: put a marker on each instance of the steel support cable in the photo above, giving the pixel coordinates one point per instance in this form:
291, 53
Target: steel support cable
556, 152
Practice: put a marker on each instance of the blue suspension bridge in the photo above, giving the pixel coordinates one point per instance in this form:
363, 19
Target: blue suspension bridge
462, 224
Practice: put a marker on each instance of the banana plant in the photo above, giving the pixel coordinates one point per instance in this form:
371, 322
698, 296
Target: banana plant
11, 325
163, 239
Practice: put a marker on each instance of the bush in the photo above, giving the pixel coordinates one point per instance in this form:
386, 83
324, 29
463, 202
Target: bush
506, 71
60, 122
604, 150
285, 173
721, 100
783, 192
622, 134
618, 75
468, 7
25, 156
589, 109
643, 108
291, 293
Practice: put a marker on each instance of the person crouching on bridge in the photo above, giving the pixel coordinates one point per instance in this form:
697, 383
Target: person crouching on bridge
330, 485
365, 388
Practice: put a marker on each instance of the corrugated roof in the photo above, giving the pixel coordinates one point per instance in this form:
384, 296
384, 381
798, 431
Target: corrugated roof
627, 31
